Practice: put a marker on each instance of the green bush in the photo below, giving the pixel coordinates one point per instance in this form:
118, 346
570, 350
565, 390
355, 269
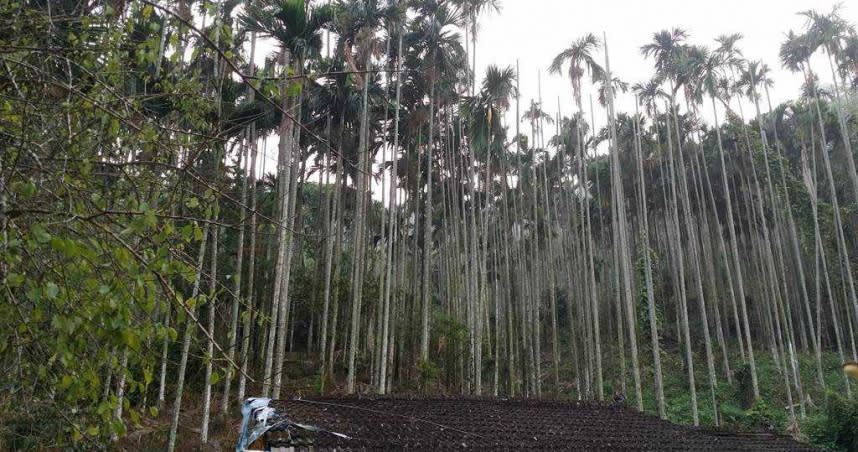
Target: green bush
836, 426
429, 372
744, 385
761, 416
731, 414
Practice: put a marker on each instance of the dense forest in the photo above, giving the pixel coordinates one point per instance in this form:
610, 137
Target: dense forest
205, 200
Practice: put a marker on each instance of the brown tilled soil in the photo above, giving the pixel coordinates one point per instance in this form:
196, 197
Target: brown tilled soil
456, 423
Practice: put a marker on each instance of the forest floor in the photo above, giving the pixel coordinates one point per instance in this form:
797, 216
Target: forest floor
735, 398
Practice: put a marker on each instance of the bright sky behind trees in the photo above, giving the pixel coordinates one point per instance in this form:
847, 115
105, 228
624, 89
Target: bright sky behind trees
534, 31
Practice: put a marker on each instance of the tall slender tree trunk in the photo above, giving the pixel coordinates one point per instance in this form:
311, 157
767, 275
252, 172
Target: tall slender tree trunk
237, 277
394, 174
296, 161
680, 266
209, 356
190, 329
277, 327
120, 391
248, 318
359, 239
427, 226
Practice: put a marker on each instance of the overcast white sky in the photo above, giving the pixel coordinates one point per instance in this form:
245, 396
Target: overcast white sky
534, 31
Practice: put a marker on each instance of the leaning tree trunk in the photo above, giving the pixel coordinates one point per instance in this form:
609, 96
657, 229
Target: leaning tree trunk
644, 231
737, 264
838, 222
692, 239
680, 266
210, 301
796, 248
820, 258
591, 322
623, 248
190, 329
844, 128
192, 325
